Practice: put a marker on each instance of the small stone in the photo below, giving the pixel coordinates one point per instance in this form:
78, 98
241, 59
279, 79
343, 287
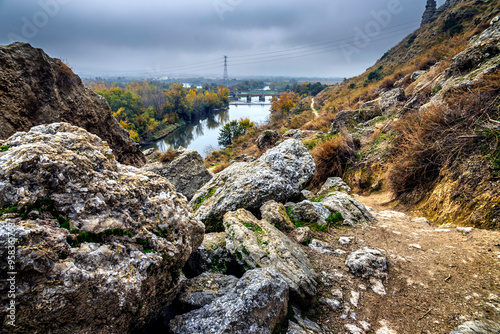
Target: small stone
345, 240
367, 262
366, 326
354, 298
417, 246
337, 294
321, 247
354, 329
464, 230
377, 286
421, 220
442, 230
333, 303
303, 235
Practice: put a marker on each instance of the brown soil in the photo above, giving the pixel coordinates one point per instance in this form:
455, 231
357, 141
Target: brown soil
452, 278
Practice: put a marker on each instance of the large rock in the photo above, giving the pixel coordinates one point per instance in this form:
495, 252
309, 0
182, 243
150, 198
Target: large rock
257, 244
268, 139
187, 172
204, 289
345, 118
351, 210
392, 99
308, 212
36, 89
257, 304
99, 245
277, 175
333, 184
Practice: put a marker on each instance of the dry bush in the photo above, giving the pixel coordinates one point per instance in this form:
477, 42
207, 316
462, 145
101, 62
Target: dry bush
443, 137
166, 157
220, 168
333, 157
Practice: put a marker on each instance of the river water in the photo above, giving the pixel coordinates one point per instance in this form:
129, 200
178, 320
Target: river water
202, 135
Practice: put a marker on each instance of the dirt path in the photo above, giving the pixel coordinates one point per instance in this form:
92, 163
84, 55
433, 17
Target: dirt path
438, 278
316, 114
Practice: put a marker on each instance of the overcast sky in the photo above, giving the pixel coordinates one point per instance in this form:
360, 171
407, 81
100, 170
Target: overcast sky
325, 38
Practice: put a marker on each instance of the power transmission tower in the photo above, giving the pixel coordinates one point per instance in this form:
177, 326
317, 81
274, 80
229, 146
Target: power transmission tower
225, 79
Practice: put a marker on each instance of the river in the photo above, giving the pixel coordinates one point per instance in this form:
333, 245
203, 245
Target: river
202, 135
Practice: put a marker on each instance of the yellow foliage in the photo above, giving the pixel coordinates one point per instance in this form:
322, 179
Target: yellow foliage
134, 135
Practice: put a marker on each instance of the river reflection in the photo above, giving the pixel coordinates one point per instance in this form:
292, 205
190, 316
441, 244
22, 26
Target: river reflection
202, 135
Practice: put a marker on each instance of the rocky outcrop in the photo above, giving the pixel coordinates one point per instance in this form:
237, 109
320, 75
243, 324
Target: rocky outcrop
429, 13
99, 245
257, 304
279, 174
268, 139
483, 51
256, 243
391, 100
344, 117
36, 89
187, 172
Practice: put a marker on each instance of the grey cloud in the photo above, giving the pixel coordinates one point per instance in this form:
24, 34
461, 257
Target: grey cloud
128, 35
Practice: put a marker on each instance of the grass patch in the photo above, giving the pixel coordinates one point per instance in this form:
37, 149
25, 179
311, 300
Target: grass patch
42, 205
291, 214
252, 227
4, 148
200, 200
81, 237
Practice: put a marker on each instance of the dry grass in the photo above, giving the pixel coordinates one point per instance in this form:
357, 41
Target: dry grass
333, 157
442, 137
167, 157
220, 168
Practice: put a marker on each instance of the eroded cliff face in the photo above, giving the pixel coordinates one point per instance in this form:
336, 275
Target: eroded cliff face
37, 89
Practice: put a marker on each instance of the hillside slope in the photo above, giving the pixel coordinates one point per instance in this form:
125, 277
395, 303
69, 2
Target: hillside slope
427, 117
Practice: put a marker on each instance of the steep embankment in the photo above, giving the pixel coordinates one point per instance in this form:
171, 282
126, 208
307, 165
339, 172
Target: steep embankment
36, 89
427, 118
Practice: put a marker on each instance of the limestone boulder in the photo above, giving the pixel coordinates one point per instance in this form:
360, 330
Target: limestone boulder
258, 244
308, 212
279, 174
211, 256
187, 172
99, 246
333, 184
351, 210
204, 289
257, 304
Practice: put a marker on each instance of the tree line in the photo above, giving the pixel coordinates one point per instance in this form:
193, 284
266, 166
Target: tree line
147, 109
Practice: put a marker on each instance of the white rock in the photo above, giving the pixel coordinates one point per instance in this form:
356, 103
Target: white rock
354, 298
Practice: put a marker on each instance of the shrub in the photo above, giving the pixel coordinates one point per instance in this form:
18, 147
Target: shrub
166, 157
333, 157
